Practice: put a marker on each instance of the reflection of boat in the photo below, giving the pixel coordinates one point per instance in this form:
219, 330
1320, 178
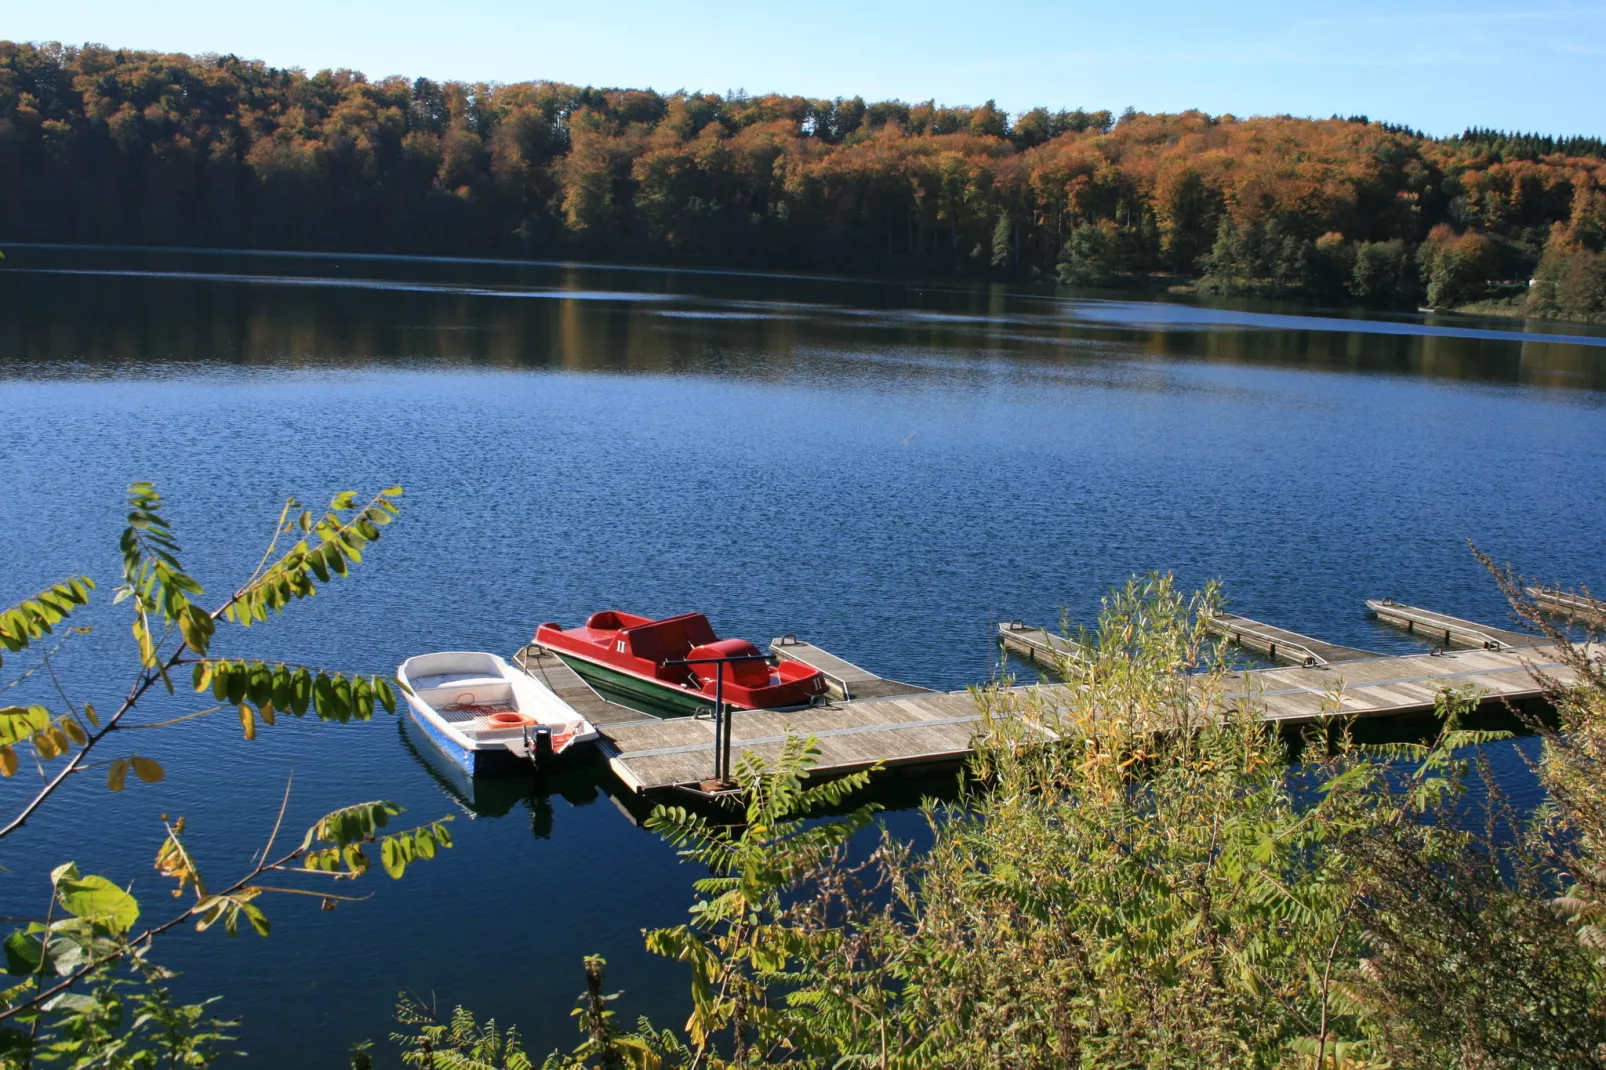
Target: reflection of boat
497, 797
630, 657
487, 717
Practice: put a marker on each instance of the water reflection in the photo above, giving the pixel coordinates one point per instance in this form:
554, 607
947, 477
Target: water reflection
80, 313
497, 797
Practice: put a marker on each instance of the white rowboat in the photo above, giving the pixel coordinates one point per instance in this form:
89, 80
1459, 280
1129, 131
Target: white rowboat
489, 718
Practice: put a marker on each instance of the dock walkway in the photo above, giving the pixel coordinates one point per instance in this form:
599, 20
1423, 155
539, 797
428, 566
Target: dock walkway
1451, 631
1280, 644
937, 727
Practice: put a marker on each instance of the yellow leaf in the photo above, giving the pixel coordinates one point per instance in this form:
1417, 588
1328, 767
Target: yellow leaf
8, 761
266, 711
248, 722
74, 730
148, 769
117, 774
89, 712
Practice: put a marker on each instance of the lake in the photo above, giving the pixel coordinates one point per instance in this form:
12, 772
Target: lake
884, 469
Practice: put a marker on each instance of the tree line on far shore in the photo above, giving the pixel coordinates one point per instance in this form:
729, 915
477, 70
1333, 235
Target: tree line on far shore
104, 145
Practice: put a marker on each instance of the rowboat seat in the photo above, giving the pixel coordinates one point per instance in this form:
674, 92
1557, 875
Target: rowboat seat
455, 679
464, 689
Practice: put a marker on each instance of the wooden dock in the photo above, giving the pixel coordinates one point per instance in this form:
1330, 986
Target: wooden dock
1448, 630
568, 685
1037, 645
844, 679
938, 727
1578, 607
1282, 645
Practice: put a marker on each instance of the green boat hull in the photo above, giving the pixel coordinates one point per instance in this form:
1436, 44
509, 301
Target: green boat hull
659, 700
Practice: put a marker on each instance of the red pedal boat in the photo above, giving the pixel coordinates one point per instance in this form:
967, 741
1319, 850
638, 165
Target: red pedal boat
625, 658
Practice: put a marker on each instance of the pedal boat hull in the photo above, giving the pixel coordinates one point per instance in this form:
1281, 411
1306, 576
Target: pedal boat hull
631, 658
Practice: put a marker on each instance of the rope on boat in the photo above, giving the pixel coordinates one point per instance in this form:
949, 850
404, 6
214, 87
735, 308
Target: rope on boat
475, 710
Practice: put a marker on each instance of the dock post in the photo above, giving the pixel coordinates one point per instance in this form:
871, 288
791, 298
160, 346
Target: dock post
722, 715
723, 749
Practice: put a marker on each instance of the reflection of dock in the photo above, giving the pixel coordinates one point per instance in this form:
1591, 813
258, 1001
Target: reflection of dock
1037, 645
1579, 607
1450, 631
1282, 645
925, 728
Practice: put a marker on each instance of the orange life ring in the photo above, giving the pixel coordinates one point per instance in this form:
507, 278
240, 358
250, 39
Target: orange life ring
509, 719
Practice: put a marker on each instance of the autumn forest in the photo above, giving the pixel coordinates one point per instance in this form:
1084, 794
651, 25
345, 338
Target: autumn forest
107, 146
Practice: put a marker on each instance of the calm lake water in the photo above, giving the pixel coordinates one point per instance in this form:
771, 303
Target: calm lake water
886, 470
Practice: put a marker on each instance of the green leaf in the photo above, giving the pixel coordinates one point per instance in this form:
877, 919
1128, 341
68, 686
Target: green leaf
98, 899
390, 854
323, 698
254, 915
148, 769
197, 627
239, 682
220, 680
301, 692
283, 689
23, 953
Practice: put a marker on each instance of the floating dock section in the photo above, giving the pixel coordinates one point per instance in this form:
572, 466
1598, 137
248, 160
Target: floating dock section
1037, 645
1450, 631
1282, 645
845, 680
1579, 607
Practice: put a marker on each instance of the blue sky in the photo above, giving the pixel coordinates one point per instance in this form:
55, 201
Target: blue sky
1435, 65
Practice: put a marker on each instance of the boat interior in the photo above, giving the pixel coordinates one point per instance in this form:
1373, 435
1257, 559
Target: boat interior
462, 680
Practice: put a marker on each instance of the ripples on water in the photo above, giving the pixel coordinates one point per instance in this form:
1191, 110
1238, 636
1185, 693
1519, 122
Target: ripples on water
884, 469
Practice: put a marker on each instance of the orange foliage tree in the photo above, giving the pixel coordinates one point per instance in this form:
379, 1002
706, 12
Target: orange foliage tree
107, 145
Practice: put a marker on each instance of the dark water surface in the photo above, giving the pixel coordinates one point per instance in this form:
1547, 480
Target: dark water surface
885, 470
